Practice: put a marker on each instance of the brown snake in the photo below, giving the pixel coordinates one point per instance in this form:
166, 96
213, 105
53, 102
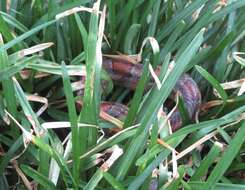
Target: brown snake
127, 74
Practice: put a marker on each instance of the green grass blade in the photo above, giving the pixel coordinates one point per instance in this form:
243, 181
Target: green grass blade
131, 39
154, 19
38, 177
11, 153
117, 138
227, 158
178, 17
50, 67
171, 40
67, 176
25, 35
213, 82
137, 96
112, 180
94, 180
12, 70
207, 161
217, 186
7, 34
90, 111
53, 12
127, 11
78, 146
32, 117
26, 107
8, 87
13, 22
209, 125
82, 30
140, 179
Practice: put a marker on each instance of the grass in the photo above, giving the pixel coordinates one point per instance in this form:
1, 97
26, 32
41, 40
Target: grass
47, 46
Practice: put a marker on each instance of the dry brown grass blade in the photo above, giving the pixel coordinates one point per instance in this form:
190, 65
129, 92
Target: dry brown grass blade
26, 73
152, 41
64, 124
155, 77
165, 145
128, 58
27, 136
34, 49
204, 139
206, 106
116, 153
233, 85
39, 99
111, 119
26, 182
75, 10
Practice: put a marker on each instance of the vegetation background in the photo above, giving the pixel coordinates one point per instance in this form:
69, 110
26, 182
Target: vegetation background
44, 50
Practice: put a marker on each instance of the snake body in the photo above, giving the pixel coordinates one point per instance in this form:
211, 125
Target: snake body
127, 74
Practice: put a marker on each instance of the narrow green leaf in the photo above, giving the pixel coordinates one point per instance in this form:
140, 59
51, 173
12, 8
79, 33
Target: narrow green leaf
94, 180
137, 96
8, 87
11, 153
13, 69
207, 162
208, 126
139, 180
187, 11
67, 176
155, 15
112, 180
227, 158
38, 177
82, 30
171, 40
7, 34
127, 11
25, 35
77, 145
26, 107
213, 82
217, 186
91, 99
131, 39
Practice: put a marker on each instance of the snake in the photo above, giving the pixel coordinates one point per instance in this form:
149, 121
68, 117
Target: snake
127, 74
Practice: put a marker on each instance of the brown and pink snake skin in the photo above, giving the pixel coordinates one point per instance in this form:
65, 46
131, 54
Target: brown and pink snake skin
127, 74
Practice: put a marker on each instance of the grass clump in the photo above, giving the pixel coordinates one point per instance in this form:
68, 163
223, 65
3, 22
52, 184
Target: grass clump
48, 141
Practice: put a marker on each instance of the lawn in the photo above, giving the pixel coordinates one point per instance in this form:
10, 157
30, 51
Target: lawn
91, 91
